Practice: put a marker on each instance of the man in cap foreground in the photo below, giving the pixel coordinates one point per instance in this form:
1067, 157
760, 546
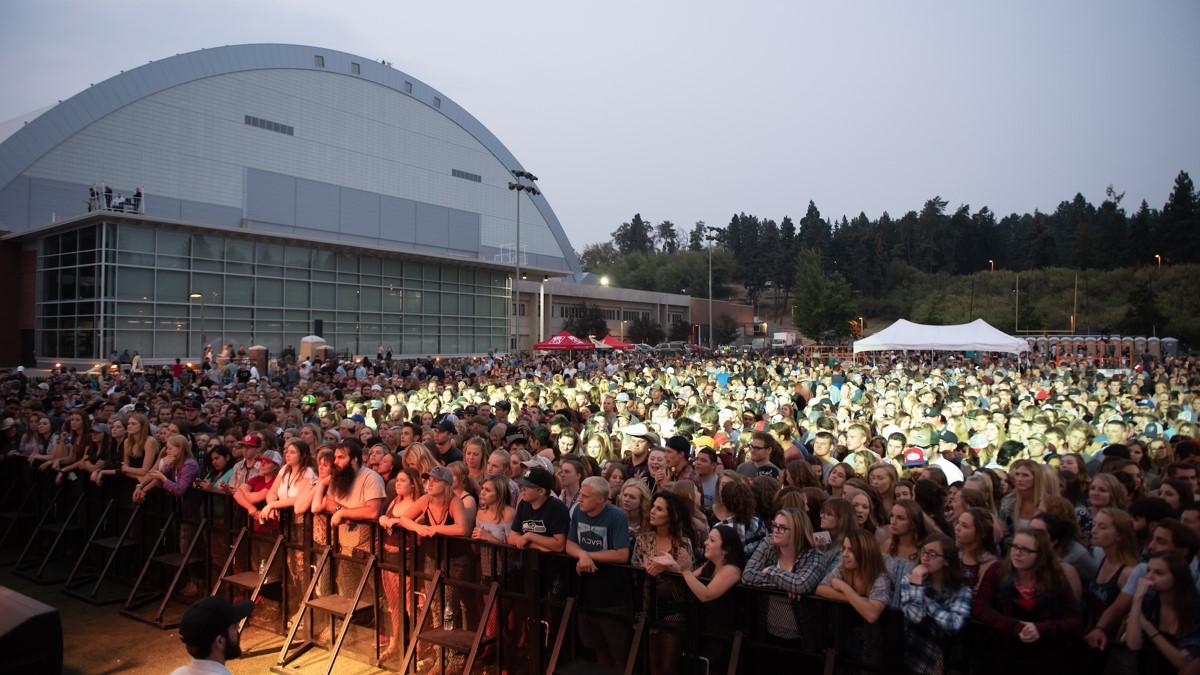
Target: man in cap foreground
209, 630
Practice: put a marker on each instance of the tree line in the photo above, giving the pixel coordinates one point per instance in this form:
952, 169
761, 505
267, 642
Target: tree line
760, 253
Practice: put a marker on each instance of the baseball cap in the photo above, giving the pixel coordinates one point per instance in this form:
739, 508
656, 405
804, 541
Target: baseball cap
681, 445
914, 457
96, 429
358, 418
273, 456
440, 473
447, 426
308, 399
948, 436
538, 462
210, 617
704, 442
7, 423
538, 478
622, 397
251, 440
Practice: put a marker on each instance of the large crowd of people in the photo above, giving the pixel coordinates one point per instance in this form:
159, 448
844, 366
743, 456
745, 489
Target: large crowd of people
1049, 508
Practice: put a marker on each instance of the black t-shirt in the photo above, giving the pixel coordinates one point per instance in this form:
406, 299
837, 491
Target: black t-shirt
551, 519
451, 456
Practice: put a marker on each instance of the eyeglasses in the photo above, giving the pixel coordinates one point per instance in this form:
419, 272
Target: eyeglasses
1023, 550
758, 447
776, 527
927, 554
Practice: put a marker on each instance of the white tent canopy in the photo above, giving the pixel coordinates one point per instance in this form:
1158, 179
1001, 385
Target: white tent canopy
977, 336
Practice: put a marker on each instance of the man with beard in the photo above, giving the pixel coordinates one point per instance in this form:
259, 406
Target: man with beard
209, 630
358, 494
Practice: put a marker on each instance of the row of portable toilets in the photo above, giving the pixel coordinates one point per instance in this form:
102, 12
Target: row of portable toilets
1097, 346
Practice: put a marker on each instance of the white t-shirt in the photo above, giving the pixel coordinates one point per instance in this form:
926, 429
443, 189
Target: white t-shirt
368, 485
290, 484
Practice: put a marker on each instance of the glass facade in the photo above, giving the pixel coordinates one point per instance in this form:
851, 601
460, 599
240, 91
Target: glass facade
160, 291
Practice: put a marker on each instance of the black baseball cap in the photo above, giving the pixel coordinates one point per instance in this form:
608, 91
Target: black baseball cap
210, 617
681, 445
538, 477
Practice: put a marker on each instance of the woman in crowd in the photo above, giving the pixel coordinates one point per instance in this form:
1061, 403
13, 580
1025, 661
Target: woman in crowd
408, 491
219, 470
661, 546
1176, 493
94, 456
49, 445
735, 507
1105, 491
903, 490
883, 477
1163, 626
475, 452
720, 570
1114, 537
975, 538
635, 502
1020, 505
837, 520
787, 562
37, 437
935, 600
868, 509
616, 475
1031, 616
175, 473
1077, 564
600, 448
570, 475
296, 474
859, 578
835, 482
908, 530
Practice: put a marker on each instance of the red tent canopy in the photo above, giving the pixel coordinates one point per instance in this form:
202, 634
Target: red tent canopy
615, 343
564, 342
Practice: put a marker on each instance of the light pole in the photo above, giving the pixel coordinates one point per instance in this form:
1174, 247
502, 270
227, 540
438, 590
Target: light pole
1158, 260
195, 295
519, 187
710, 238
992, 265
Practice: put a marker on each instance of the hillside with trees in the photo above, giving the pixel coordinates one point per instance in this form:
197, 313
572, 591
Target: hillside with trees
936, 264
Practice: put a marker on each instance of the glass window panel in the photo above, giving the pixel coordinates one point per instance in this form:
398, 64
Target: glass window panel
268, 254
172, 286
270, 292
50, 245
49, 322
173, 262
322, 296
239, 268
49, 343
324, 260
347, 297
211, 285
69, 241
50, 285
134, 238
449, 303
134, 309
239, 313
136, 340
297, 256
466, 305
296, 294
347, 263
301, 328
393, 300
393, 269
369, 265
171, 311
208, 265
413, 301
237, 250
87, 239
272, 341
269, 271
134, 284
69, 259
268, 313
429, 343
369, 299
87, 258
172, 343
207, 246
66, 345
430, 272
410, 344
177, 244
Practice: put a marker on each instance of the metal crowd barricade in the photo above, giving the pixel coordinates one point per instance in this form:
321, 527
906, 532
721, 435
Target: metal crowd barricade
114, 535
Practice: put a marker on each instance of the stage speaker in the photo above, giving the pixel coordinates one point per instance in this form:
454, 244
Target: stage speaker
319, 327
30, 635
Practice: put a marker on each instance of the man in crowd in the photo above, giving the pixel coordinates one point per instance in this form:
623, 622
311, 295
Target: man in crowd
209, 631
599, 533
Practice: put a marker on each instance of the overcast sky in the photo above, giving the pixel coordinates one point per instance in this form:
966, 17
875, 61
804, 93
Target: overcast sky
694, 110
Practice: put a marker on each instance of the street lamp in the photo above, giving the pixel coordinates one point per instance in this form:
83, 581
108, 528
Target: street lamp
518, 186
604, 280
623, 329
710, 238
195, 295
992, 264
1158, 260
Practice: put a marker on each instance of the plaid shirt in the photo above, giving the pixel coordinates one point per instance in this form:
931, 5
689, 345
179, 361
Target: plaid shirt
806, 573
930, 617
